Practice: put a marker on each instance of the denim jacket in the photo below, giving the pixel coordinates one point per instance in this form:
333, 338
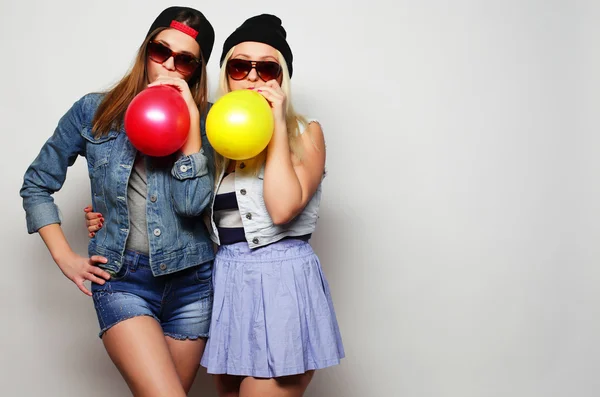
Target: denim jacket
178, 192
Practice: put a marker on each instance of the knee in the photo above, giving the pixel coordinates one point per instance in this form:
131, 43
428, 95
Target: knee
228, 385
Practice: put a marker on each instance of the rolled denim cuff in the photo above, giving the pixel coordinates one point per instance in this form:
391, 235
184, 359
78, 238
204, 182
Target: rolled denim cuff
42, 215
193, 166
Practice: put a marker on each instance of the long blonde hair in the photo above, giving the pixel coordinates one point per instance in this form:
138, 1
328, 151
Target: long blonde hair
111, 111
294, 121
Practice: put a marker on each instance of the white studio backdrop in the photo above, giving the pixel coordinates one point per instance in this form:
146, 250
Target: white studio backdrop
459, 222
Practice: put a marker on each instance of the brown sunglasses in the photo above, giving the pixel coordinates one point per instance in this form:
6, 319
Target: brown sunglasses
239, 69
184, 62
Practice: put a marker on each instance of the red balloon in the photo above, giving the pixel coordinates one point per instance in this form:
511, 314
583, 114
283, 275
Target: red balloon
157, 121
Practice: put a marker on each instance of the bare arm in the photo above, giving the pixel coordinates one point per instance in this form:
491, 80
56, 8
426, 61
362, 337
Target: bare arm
289, 185
75, 267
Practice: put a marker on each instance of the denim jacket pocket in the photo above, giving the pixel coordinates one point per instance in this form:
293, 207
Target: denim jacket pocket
98, 149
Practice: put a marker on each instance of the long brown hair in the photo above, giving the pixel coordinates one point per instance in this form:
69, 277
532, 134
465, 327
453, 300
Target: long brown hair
111, 111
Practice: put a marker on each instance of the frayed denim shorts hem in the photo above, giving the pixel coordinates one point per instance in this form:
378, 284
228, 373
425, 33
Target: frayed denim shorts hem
180, 302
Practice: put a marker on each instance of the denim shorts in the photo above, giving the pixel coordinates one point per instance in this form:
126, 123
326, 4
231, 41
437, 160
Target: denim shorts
181, 302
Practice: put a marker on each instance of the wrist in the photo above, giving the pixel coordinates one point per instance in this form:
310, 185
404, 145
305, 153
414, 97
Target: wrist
191, 146
194, 115
280, 128
62, 256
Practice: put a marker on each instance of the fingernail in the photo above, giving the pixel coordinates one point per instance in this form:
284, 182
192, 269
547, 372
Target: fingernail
258, 90
99, 216
102, 220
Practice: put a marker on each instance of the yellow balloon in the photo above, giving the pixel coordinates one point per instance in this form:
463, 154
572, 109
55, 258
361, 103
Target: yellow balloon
240, 124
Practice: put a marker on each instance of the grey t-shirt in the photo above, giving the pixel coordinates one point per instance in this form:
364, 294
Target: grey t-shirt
137, 191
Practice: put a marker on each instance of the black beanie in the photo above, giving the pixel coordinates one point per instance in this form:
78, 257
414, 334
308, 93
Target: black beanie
188, 16
265, 29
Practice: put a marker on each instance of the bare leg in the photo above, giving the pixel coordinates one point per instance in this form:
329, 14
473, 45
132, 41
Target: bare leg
228, 385
286, 386
186, 355
138, 348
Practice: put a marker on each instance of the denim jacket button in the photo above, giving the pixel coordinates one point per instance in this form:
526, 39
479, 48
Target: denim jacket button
153, 198
157, 232
242, 166
248, 216
163, 266
183, 168
243, 191
255, 240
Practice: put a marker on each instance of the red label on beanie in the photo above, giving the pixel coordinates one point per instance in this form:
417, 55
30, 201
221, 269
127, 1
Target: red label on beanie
185, 29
